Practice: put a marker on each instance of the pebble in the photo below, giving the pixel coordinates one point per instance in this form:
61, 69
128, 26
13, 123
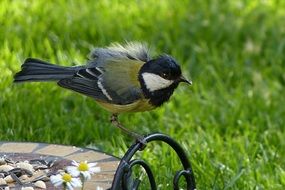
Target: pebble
40, 184
9, 179
34, 173
23, 177
27, 188
6, 168
25, 165
2, 181
2, 161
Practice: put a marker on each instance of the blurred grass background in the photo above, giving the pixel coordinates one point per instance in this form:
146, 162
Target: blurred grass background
231, 121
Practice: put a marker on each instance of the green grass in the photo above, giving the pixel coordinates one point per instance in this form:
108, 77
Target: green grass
230, 122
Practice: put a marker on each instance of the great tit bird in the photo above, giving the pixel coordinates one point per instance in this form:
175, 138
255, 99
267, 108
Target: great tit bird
120, 78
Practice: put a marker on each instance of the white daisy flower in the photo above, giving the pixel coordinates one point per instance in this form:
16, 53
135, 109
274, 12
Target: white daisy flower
65, 179
83, 168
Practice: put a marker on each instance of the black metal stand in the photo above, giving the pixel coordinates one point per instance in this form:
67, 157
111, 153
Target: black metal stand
122, 176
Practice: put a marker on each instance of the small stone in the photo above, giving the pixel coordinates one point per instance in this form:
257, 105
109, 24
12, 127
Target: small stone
6, 168
40, 184
26, 166
40, 167
2, 181
27, 188
23, 177
9, 179
9, 161
47, 170
2, 161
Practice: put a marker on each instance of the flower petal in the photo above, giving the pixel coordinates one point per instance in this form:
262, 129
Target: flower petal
69, 186
76, 182
90, 165
72, 170
74, 163
56, 180
94, 170
86, 175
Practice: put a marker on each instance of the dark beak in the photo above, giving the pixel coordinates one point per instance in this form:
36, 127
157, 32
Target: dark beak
183, 79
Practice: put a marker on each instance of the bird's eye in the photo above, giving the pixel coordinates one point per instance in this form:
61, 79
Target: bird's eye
164, 75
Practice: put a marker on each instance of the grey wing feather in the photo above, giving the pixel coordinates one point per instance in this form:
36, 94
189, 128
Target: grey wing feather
131, 50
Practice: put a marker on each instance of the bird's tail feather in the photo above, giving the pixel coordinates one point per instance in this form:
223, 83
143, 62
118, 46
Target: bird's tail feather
38, 70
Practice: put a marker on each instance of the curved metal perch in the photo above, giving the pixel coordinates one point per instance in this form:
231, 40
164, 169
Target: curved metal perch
122, 180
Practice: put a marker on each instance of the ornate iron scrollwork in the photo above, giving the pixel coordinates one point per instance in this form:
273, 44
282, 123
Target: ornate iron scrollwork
124, 171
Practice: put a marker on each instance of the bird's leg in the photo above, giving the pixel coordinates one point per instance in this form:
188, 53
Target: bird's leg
116, 123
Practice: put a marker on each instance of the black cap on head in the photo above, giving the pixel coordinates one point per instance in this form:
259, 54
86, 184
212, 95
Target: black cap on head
159, 77
164, 66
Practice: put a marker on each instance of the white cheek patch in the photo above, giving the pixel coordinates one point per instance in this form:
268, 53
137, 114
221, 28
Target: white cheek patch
155, 82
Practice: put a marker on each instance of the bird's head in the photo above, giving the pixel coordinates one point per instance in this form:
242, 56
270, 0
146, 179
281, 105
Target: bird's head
159, 77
